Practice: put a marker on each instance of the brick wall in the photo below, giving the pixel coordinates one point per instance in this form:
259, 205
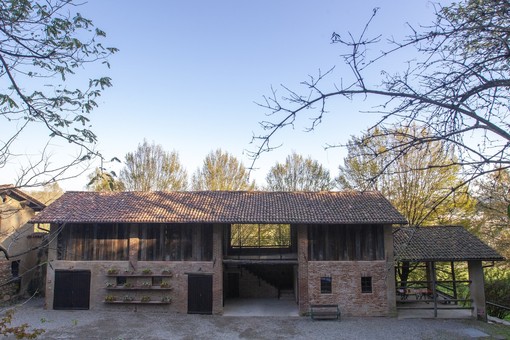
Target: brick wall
346, 286
179, 280
346, 281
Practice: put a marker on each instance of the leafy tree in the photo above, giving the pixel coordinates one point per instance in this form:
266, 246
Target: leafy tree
456, 83
101, 180
299, 174
48, 194
150, 168
44, 45
221, 171
493, 195
416, 183
419, 191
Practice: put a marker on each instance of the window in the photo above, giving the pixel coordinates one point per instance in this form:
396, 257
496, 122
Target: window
15, 268
260, 236
366, 284
326, 285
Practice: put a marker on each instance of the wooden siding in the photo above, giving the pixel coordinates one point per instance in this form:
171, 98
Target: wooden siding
345, 243
157, 242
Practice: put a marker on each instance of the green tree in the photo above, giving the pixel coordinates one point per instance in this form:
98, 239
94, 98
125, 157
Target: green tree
151, 168
299, 174
455, 83
418, 183
44, 47
101, 180
493, 199
221, 171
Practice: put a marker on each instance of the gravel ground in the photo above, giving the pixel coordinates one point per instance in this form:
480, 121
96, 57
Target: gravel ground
131, 325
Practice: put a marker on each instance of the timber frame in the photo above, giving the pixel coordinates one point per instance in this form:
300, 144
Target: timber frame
433, 254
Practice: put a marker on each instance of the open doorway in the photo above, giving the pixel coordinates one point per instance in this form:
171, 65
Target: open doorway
261, 289
260, 269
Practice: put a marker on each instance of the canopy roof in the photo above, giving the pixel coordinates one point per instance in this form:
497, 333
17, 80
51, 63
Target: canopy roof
346, 207
440, 243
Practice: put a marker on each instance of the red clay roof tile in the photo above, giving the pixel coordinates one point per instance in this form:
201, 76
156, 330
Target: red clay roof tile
440, 243
221, 207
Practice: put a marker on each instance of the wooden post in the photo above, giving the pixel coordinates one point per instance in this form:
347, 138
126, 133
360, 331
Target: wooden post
434, 283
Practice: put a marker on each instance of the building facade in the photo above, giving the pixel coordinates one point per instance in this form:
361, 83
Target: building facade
19, 264
191, 252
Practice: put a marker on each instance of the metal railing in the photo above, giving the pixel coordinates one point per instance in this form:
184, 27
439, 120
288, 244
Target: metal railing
497, 310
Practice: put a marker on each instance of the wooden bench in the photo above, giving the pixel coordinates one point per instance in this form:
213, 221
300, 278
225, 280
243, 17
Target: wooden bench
323, 312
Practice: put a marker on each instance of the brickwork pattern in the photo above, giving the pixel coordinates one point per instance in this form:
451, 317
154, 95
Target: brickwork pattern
346, 286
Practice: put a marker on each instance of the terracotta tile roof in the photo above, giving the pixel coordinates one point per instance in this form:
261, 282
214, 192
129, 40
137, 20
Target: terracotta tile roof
11, 191
221, 207
442, 243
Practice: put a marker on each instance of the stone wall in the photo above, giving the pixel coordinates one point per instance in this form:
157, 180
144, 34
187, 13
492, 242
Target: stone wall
8, 286
14, 236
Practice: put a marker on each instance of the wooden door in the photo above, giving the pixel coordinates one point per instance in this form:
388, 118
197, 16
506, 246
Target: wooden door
200, 294
72, 289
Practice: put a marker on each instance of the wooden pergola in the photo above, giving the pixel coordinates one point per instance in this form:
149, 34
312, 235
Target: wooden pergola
424, 248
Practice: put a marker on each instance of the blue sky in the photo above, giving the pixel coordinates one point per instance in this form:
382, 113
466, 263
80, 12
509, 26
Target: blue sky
188, 73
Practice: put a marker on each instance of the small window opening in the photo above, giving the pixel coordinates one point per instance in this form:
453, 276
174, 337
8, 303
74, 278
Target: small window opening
366, 284
326, 285
121, 280
15, 268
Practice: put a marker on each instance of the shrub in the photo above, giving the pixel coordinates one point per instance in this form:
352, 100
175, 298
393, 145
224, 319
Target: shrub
497, 290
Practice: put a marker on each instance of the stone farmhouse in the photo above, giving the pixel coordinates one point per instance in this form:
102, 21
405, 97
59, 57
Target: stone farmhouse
191, 252
19, 269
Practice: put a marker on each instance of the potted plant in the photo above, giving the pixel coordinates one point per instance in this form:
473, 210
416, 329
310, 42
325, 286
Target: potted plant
146, 284
110, 284
166, 272
112, 271
164, 284
146, 298
128, 285
166, 299
146, 271
110, 298
128, 298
